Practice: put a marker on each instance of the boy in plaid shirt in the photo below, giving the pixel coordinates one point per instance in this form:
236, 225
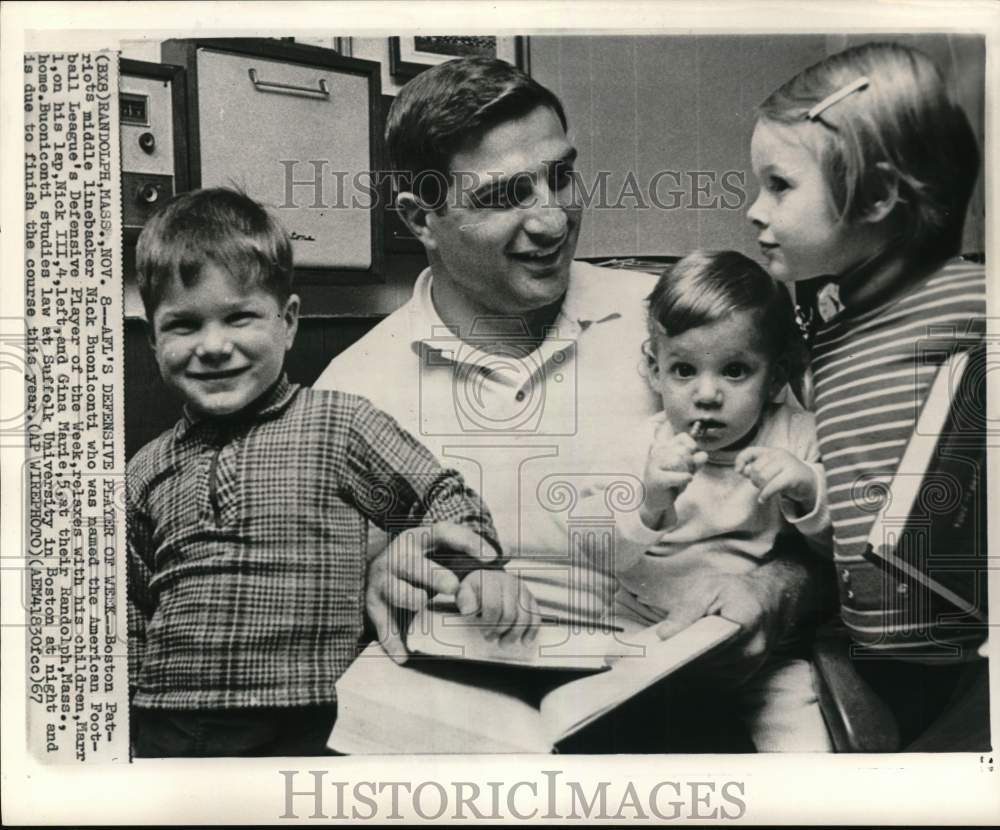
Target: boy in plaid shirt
247, 522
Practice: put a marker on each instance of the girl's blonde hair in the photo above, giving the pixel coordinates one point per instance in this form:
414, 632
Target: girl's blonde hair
901, 139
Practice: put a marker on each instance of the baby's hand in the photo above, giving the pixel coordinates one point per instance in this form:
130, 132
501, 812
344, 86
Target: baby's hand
507, 608
775, 472
671, 464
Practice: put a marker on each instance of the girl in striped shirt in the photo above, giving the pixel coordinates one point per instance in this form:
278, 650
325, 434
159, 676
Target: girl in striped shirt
866, 166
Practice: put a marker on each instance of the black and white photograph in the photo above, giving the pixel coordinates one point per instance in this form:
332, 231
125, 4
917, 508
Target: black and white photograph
499, 421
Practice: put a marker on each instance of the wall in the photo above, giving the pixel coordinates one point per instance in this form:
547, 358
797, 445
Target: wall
684, 105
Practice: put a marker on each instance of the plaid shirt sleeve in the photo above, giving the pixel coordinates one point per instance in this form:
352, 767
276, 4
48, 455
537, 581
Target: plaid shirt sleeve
397, 483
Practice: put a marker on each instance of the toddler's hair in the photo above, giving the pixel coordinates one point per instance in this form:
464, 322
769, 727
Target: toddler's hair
216, 225
707, 286
902, 138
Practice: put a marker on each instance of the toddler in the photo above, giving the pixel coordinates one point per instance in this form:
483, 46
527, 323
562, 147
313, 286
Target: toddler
730, 463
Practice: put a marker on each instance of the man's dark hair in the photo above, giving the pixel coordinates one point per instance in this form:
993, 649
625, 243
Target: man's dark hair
448, 105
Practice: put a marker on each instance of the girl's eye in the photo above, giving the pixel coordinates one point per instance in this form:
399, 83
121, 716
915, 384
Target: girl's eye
683, 370
736, 371
777, 184
242, 318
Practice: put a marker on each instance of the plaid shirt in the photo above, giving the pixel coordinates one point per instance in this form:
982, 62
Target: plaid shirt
246, 546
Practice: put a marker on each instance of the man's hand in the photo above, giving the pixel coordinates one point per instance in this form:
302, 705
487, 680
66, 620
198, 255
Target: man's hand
772, 604
403, 578
671, 464
777, 472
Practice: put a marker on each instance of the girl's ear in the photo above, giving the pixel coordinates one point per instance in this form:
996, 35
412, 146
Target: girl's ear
888, 194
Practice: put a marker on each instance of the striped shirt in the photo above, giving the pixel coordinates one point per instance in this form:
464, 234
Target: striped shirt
246, 546
872, 372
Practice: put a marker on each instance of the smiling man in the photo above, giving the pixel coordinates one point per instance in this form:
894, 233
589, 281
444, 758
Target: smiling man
517, 365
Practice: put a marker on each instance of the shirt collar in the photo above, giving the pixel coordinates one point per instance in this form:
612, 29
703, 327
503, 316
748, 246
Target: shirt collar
271, 403
586, 302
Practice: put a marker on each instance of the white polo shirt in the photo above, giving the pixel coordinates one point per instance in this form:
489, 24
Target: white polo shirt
525, 430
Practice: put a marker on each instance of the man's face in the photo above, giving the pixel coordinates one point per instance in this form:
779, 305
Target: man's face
504, 243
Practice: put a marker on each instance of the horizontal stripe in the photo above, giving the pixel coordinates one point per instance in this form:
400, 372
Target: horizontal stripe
877, 446
876, 410
832, 438
907, 373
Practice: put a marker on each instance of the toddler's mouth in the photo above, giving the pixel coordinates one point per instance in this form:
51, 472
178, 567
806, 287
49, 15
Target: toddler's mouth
704, 427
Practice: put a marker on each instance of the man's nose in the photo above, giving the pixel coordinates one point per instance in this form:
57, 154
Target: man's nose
547, 217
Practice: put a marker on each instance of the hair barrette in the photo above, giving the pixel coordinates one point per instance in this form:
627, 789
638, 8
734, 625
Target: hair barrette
839, 95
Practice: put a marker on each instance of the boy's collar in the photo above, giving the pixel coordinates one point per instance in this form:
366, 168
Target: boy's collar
270, 403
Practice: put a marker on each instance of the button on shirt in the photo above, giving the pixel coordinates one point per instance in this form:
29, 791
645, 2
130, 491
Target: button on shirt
526, 427
246, 543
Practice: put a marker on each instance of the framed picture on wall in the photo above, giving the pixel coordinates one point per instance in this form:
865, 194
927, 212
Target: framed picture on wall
411, 55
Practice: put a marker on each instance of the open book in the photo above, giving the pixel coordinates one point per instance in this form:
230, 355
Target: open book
932, 530
467, 706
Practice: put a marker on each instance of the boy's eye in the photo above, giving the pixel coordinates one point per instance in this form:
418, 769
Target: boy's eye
736, 371
683, 370
178, 325
242, 318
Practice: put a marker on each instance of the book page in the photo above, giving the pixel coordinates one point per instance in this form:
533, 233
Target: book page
385, 708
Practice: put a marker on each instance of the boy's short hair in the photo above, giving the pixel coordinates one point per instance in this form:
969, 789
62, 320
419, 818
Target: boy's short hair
707, 286
448, 105
216, 225
903, 136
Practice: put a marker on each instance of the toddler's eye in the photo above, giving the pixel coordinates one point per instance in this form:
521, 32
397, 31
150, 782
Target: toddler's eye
736, 371
683, 370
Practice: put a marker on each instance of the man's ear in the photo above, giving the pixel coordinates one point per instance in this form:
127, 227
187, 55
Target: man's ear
888, 190
414, 214
290, 315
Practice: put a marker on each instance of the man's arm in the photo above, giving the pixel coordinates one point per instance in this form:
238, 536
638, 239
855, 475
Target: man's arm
778, 603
